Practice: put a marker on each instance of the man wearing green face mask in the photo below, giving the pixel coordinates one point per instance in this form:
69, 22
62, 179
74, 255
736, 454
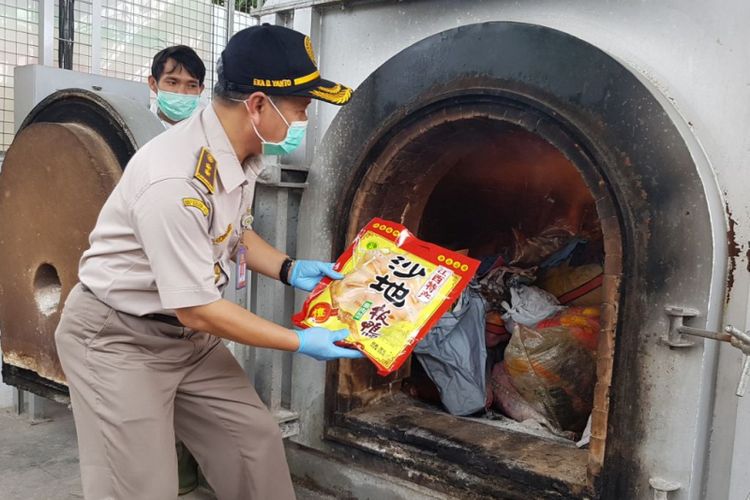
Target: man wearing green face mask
140, 337
177, 75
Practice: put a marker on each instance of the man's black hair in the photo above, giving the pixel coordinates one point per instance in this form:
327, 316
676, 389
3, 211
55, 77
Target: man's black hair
184, 57
220, 87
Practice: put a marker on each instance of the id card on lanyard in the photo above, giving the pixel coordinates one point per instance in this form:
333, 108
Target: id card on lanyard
241, 267
246, 222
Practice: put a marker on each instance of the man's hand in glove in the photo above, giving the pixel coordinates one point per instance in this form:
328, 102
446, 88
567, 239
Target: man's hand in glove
318, 343
306, 274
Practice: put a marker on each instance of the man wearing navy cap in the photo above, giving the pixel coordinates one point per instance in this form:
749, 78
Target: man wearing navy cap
140, 336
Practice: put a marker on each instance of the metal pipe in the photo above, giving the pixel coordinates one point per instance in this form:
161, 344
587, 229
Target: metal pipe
722, 337
96, 36
229, 4
738, 334
66, 34
46, 31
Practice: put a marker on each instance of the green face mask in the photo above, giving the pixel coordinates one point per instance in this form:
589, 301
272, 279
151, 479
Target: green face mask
175, 106
294, 134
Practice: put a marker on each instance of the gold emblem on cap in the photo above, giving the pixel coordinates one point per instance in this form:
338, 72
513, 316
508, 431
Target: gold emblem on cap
338, 94
309, 49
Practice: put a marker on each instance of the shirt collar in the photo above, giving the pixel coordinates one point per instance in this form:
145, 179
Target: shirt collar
231, 173
155, 110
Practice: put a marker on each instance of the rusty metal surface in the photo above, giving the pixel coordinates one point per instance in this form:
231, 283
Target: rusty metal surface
55, 178
123, 123
68, 153
30, 381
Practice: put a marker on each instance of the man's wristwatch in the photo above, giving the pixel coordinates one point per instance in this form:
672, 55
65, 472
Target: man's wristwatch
284, 271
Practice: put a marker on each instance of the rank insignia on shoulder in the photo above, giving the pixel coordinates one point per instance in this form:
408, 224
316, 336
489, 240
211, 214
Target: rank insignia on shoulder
196, 203
205, 170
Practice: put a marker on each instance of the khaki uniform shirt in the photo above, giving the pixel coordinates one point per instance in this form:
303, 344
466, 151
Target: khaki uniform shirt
166, 234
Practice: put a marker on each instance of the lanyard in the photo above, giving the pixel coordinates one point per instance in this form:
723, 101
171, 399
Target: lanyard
246, 219
246, 222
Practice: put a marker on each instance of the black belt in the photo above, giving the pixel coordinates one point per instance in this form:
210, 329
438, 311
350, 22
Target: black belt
164, 318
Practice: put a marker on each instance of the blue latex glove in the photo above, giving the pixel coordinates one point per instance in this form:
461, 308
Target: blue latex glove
318, 343
306, 274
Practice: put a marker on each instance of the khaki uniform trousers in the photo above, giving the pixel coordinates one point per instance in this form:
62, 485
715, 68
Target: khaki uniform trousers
136, 383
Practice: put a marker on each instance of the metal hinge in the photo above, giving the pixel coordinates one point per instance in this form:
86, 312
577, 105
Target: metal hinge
676, 338
662, 487
284, 176
288, 421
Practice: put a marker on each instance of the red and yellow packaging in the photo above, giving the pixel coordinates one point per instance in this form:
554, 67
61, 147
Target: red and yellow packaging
395, 288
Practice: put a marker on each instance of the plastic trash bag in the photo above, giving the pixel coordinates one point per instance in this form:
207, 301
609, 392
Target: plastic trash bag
529, 305
496, 283
454, 356
580, 286
535, 250
507, 399
553, 366
495, 332
564, 254
504, 397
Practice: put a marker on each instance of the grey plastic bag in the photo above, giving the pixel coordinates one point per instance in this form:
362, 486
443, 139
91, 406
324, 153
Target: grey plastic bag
454, 355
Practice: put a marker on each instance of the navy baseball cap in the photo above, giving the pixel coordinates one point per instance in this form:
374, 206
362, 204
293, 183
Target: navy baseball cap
277, 61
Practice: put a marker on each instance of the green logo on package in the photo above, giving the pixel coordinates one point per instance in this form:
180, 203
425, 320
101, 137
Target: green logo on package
372, 245
362, 310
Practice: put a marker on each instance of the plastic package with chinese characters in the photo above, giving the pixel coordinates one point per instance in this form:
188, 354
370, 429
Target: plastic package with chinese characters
395, 288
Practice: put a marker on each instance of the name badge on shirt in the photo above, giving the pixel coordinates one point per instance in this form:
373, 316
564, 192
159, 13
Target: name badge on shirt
247, 220
241, 267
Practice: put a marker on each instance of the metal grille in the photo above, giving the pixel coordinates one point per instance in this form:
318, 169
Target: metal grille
243, 20
133, 31
19, 25
82, 40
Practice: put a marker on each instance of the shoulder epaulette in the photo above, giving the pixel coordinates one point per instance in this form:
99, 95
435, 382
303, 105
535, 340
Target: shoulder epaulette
205, 169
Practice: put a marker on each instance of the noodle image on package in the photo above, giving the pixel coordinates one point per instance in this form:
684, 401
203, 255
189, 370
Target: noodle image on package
395, 288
